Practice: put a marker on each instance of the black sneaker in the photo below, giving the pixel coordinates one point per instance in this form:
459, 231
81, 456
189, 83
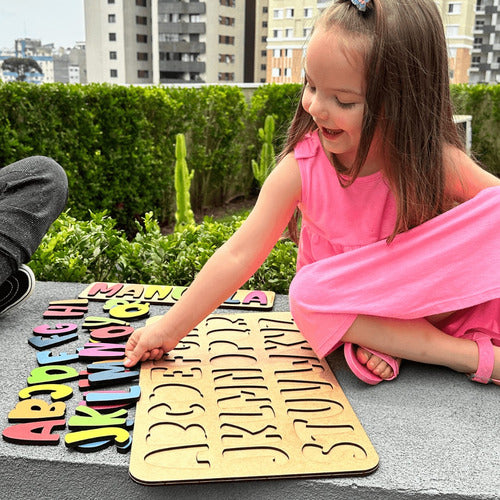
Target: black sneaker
16, 288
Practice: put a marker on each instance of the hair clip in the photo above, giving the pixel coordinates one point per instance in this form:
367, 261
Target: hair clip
360, 4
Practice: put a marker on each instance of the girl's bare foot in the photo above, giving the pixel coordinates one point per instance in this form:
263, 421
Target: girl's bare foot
376, 365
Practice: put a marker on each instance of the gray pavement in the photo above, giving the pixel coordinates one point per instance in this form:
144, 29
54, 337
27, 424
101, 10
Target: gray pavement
437, 434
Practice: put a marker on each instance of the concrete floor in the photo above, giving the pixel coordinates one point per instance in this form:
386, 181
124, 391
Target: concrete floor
437, 434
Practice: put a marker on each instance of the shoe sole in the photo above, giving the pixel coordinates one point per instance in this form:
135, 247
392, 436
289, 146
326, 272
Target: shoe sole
23, 279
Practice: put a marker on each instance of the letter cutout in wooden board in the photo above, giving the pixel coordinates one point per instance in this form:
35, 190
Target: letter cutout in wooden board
244, 397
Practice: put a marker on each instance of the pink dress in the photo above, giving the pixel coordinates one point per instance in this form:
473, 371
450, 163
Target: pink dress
345, 266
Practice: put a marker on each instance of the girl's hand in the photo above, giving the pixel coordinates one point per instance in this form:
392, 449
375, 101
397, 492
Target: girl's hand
148, 343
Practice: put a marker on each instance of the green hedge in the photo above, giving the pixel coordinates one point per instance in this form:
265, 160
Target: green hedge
483, 103
117, 143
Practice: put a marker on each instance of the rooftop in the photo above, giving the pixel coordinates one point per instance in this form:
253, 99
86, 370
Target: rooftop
436, 433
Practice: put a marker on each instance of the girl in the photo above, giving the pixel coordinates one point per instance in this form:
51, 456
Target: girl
398, 246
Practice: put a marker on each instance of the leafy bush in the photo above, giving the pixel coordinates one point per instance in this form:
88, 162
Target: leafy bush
116, 143
96, 250
482, 102
278, 100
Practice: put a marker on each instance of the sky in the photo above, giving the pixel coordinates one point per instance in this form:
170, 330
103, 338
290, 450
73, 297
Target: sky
52, 21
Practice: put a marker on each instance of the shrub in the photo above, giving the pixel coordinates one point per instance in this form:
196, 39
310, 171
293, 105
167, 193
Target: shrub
96, 250
482, 102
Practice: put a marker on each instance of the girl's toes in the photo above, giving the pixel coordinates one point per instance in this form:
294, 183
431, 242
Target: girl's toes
386, 373
376, 365
363, 355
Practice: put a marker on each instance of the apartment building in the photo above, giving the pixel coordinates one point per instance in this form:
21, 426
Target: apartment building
166, 41
290, 23
289, 27
118, 41
458, 19
261, 26
485, 65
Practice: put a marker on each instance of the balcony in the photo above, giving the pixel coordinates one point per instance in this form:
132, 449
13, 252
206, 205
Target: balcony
183, 66
181, 8
182, 28
183, 47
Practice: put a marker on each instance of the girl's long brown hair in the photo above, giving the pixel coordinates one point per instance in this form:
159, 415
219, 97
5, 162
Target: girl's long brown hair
407, 97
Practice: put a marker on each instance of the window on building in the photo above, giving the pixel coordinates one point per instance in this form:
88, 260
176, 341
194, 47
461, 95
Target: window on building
263, 67
141, 3
289, 13
113, 73
111, 1
475, 61
288, 72
289, 33
307, 32
142, 56
226, 77
226, 21
478, 41
226, 40
479, 4
276, 72
263, 53
278, 13
479, 25
141, 20
264, 10
112, 55
276, 52
226, 58
227, 3
263, 39
277, 33
451, 31
111, 18
308, 12
264, 24
112, 37
142, 73
288, 52
141, 38
454, 7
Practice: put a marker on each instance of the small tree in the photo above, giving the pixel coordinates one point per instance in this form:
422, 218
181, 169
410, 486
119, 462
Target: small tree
21, 66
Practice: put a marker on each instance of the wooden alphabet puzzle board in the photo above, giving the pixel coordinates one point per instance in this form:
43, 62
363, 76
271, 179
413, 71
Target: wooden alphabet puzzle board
244, 397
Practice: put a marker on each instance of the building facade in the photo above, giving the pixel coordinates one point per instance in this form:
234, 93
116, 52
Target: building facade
165, 41
290, 25
261, 25
485, 65
235, 41
458, 19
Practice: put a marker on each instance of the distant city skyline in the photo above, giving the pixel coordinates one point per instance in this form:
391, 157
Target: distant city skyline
60, 22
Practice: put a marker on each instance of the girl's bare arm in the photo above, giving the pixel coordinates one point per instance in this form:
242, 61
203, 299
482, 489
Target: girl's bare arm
228, 269
465, 178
